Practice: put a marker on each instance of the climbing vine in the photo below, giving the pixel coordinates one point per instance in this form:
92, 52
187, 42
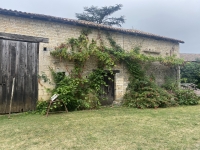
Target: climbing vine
76, 90
80, 92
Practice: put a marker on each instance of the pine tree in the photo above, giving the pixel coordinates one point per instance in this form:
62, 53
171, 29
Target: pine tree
101, 15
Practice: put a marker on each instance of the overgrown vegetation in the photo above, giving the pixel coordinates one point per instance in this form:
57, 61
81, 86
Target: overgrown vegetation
186, 97
145, 94
190, 73
79, 92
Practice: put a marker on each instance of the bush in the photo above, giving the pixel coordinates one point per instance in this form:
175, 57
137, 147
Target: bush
76, 93
181, 96
145, 94
170, 84
41, 107
186, 97
152, 96
190, 73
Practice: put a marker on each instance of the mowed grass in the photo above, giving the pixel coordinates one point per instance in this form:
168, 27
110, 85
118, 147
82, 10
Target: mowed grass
116, 128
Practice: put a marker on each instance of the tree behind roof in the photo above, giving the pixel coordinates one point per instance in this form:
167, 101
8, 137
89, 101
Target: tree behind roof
101, 15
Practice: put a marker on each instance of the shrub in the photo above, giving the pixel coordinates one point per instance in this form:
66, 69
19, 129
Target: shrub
145, 94
76, 93
41, 107
170, 84
190, 73
181, 96
71, 91
186, 97
75, 89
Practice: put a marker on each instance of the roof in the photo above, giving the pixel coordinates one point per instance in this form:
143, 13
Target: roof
189, 57
83, 23
24, 38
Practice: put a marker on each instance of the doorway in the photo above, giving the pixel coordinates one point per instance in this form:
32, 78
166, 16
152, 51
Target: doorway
108, 91
19, 60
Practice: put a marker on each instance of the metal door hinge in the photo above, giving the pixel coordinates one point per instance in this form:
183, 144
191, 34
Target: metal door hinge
2, 84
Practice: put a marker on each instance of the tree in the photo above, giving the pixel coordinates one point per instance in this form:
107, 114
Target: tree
101, 15
190, 73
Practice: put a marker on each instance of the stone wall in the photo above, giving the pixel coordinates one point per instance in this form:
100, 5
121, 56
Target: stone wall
58, 33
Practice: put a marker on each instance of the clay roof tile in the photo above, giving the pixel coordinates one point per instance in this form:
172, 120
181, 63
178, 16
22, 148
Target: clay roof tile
83, 23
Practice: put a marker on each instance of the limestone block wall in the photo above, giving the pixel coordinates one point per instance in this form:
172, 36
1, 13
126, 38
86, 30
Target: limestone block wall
59, 32
161, 73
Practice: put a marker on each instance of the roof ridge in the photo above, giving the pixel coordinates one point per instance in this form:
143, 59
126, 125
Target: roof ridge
83, 23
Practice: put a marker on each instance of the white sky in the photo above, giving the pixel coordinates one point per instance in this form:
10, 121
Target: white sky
179, 19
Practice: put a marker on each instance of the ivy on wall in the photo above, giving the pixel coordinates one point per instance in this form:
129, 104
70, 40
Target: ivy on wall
79, 92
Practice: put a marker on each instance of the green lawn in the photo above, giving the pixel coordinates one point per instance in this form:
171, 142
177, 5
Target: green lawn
117, 128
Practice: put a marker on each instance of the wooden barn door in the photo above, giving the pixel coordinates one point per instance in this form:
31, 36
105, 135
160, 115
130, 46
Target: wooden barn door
20, 60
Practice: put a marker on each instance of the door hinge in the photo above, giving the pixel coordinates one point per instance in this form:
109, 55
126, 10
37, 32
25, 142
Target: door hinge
2, 84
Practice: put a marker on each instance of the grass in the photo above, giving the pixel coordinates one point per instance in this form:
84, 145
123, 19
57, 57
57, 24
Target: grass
104, 129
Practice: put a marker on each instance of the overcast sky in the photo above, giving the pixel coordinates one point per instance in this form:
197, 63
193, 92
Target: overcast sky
179, 19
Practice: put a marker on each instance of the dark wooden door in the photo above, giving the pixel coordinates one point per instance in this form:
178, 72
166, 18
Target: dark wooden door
18, 60
107, 96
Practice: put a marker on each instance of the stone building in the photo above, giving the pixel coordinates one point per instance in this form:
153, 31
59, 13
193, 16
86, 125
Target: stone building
56, 30
187, 57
